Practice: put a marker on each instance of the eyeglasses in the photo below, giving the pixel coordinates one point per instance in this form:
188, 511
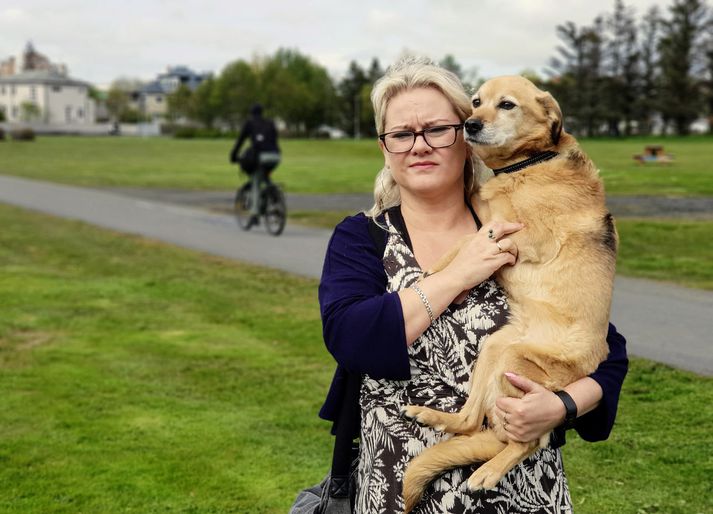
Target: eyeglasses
401, 141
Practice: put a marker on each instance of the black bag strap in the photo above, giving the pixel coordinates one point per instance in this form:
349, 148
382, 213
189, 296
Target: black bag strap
342, 456
378, 235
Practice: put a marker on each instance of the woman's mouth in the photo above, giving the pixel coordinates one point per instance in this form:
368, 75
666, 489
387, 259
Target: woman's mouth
421, 165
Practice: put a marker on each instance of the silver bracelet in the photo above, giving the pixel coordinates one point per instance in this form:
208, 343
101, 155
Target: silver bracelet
424, 300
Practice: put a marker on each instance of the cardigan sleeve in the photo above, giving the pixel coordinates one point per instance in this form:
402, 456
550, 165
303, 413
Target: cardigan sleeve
362, 323
597, 424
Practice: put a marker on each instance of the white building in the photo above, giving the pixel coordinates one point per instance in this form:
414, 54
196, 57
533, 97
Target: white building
47, 97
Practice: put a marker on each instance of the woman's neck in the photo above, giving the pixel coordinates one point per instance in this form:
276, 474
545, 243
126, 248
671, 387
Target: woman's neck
434, 214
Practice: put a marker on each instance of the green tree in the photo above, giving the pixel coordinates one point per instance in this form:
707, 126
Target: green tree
621, 67
680, 51
117, 102
297, 90
30, 111
179, 104
236, 90
350, 90
206, 106
645, 105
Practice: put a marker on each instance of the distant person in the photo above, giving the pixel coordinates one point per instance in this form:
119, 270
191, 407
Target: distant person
261, 158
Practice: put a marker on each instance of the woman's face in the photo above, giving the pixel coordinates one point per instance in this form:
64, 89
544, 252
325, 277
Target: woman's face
424, 171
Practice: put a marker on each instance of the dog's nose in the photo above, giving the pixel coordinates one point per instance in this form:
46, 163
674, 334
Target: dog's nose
473, 126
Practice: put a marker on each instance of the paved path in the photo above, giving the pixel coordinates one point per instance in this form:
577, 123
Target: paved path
663, 322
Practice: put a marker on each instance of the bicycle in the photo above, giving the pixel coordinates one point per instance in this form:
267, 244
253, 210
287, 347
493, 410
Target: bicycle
272, 208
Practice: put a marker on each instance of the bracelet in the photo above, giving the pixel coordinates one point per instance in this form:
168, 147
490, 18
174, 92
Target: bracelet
424, 300
570, 409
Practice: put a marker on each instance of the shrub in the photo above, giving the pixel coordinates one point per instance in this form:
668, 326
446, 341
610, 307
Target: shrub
23, 134
2, 133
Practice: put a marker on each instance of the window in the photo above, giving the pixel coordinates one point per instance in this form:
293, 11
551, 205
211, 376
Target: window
56, 89
33, 93
80, 113
2, 90
68, 113
159, 99
15, 111
12, 90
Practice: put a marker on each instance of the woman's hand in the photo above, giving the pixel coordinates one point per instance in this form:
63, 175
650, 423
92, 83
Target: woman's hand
483, 254
532, 416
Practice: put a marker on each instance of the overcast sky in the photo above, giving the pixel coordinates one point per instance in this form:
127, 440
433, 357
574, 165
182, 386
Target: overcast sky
102, 40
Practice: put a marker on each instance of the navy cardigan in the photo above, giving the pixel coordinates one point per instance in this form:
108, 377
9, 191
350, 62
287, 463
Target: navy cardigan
363, 327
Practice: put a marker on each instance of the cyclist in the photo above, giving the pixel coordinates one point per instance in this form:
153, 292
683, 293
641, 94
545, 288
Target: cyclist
260, 158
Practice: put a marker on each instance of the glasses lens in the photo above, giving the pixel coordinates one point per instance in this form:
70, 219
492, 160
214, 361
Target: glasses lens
399, 141
440, 137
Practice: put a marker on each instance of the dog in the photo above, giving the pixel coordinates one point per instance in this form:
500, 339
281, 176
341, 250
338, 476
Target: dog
559, 289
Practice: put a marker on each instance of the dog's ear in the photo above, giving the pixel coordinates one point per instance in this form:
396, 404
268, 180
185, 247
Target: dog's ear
554, 115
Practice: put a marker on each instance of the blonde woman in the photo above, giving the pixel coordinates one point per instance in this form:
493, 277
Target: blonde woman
417, 344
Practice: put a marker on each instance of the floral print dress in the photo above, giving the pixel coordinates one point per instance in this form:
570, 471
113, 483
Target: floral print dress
441, 361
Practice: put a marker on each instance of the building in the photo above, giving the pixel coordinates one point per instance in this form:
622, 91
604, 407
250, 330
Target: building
46, 96
153, 96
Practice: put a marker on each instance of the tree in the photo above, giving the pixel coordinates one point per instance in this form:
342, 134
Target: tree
30, 111
350, 90
449, 62
621, 65
206, 107
578, 83
117, 101
679, 47
297, 90
179, 104
648, 60
236, 90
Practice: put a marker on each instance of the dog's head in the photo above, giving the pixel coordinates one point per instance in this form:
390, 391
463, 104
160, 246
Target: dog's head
512, 119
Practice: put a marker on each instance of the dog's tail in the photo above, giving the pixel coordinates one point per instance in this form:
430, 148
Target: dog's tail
457, 451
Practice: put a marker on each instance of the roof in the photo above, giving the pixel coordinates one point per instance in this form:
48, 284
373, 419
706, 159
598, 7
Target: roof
153, 88
42, 77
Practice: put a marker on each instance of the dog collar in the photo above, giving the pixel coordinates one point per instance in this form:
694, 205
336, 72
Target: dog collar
540, 157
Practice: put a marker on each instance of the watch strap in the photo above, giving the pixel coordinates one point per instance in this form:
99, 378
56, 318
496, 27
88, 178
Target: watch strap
570, 409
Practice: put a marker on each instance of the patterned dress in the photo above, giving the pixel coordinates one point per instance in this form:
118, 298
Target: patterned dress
441, 361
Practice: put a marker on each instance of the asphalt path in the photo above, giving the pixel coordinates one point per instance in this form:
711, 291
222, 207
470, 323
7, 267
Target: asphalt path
661, 321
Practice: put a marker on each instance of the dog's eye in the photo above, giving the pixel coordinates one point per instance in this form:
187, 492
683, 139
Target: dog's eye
506, 105
476, 102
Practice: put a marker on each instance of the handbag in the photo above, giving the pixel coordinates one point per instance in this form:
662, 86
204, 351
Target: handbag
335, 494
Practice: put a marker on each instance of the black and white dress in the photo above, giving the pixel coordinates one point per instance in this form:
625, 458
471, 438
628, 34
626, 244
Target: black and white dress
441, 361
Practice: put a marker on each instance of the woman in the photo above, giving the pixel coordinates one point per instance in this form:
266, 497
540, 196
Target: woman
417, 345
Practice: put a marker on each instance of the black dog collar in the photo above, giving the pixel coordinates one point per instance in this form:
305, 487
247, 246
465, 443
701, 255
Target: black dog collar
540, 157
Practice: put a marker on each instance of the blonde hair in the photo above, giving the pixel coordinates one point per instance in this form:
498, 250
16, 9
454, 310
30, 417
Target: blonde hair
406, 74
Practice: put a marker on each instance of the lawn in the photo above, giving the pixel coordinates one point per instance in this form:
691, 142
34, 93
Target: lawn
139, 377
316, 166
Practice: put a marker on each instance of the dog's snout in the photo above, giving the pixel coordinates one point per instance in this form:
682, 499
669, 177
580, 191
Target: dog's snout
473, 126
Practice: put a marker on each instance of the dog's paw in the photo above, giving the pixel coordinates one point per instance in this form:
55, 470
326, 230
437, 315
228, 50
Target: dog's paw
424, 416
485, 477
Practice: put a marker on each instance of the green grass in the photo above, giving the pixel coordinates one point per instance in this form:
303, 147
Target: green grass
316, 166
138, 377
669, 250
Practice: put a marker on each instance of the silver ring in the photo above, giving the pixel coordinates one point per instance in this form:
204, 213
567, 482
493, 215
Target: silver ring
497, 243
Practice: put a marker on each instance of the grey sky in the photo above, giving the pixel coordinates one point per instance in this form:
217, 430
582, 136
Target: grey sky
103, 40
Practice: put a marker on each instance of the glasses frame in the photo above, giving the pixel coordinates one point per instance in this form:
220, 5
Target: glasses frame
422, 133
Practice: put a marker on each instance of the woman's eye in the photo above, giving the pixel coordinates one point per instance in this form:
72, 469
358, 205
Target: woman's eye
436, 131
476, 102
401, 135
506, 105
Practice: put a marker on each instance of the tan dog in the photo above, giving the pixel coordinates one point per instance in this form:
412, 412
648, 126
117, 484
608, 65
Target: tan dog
559, 290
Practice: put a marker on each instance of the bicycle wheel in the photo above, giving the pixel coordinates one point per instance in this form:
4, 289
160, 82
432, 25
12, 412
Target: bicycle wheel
242, 207
275, 210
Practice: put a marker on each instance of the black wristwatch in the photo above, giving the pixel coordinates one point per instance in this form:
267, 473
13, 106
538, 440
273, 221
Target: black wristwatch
570, 407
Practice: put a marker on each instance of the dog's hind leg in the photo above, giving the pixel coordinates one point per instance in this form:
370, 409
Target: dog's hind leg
458, 451
471, 416
489, 474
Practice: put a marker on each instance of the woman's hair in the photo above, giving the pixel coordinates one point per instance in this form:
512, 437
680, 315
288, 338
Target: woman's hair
406, 74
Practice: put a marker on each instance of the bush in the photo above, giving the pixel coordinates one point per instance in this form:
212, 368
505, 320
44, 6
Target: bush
185, 132
23, 134
193, 132
2, 133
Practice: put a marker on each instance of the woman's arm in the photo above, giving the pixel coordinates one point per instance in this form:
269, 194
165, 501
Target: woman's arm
596, 397
362, 323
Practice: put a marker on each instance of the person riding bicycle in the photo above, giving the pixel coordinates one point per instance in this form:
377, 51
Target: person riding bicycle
261, 158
